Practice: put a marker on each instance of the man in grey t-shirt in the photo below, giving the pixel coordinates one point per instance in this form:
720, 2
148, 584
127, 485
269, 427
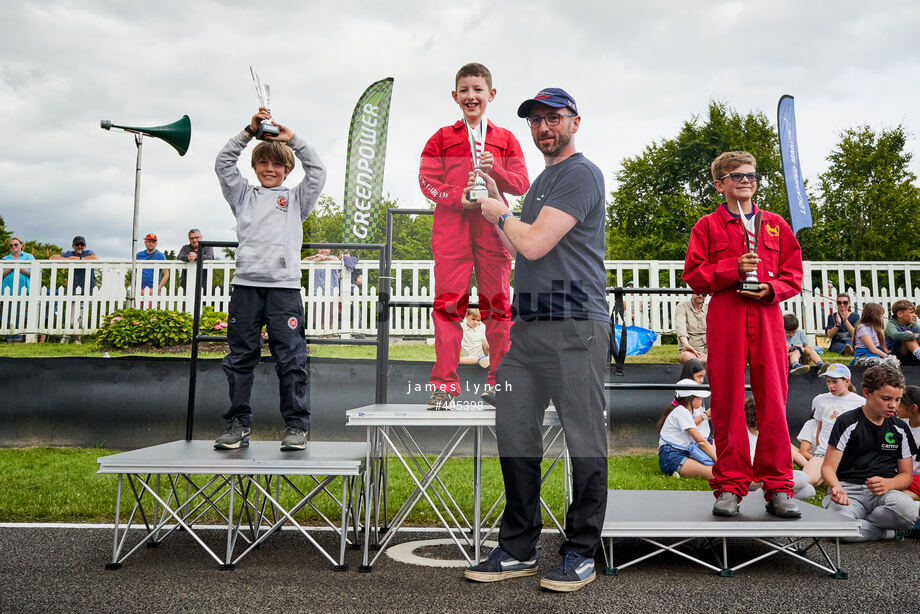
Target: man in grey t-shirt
559, 352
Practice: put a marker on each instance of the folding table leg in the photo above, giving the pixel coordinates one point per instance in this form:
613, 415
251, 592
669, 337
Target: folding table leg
342, 538
114, 564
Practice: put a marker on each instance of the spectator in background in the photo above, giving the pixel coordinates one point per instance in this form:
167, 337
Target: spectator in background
6, 289
799, 350
190, 253
319, 287
869, 463
690, 324
79, 284
870, 348
351, 264
150, 252
357, 280
841, 325
319, 275
16, 254
902, 333
474, 349
801, 488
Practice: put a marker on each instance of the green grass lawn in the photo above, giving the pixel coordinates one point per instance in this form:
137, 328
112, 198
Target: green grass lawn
61, 485
399, 351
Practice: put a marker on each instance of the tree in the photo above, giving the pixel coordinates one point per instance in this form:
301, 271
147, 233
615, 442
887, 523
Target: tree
869, 199
41, 251
662, 192
411, 234
5, 236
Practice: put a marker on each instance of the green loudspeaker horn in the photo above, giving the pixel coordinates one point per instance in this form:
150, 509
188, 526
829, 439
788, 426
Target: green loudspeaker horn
178, 134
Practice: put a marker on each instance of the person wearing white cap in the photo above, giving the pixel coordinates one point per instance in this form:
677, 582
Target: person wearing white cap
682, 449
841, 397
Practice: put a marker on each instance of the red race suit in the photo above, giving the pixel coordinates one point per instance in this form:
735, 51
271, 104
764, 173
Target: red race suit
740, 330
462, 239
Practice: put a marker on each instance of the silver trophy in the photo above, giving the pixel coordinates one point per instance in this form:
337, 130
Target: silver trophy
263, 91
479, 191
751, 230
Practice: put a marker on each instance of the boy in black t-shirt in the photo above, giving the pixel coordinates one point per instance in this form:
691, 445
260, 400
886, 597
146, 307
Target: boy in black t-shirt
868, 461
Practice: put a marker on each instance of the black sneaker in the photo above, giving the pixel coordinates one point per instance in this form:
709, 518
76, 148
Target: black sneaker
500, 566
574, 572
294, 438
235, 436
440, 400
489, 396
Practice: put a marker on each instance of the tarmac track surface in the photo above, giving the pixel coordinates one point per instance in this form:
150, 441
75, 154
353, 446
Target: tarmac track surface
62, 570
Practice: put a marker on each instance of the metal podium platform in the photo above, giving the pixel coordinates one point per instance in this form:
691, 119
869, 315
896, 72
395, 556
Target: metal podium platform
684, 517
199, 479
389, 428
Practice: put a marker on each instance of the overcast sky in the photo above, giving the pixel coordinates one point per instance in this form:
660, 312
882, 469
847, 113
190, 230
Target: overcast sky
636, 69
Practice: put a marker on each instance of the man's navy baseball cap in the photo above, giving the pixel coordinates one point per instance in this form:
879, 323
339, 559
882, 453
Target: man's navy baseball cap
551, 97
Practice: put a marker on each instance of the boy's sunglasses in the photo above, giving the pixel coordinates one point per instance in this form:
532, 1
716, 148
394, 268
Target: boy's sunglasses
738, 177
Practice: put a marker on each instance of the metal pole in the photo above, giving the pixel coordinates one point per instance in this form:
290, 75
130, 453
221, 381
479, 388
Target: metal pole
139, 140
196, 329
383, 313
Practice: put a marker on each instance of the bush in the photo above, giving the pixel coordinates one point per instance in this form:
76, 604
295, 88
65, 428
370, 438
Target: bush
212, 322
157, 327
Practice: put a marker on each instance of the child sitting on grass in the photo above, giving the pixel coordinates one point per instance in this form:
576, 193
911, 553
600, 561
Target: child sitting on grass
474, 348
870, 334
682, 449
902, 333
869, 459
800, 486
800, 352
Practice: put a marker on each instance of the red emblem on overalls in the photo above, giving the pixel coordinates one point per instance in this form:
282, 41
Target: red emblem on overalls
292, 323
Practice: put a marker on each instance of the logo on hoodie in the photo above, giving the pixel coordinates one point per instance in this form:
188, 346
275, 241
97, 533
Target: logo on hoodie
282, 203
292, 323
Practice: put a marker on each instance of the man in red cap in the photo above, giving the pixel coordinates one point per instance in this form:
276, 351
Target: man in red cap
150, 252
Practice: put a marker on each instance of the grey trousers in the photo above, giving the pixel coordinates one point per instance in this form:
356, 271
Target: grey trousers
566, 362
878, 515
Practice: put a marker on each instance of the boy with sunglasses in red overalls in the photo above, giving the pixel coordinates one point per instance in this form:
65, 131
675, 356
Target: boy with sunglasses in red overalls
746, 327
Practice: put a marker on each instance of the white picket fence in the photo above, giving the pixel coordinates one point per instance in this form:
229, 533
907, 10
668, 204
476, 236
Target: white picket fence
58, 309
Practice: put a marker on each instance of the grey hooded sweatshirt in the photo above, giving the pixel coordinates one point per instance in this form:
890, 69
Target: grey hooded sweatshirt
269, 221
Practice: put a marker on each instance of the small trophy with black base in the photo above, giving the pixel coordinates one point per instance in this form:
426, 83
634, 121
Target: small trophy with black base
477, 137
751, 231
263, 91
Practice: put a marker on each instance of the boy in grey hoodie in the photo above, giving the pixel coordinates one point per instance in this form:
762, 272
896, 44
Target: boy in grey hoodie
266, 285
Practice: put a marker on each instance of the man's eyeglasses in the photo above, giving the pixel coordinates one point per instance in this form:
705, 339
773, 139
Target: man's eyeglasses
843, 302
79, 244
738, 177
552, 119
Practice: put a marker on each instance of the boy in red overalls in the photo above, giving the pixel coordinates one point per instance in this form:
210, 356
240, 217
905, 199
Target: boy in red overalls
461, 238
746, 327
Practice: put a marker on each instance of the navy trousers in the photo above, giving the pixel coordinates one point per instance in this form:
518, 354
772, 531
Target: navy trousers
281, 311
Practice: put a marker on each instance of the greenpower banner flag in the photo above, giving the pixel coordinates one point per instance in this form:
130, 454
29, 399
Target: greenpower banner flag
367, 152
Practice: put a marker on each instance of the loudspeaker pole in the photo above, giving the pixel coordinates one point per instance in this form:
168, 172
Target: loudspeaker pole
132, 288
